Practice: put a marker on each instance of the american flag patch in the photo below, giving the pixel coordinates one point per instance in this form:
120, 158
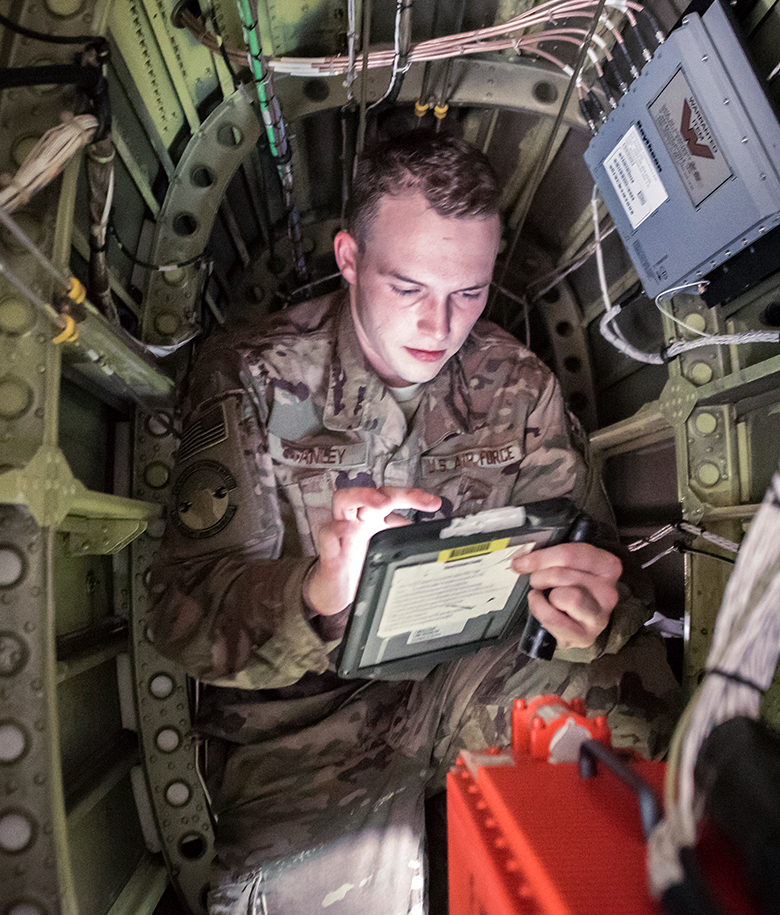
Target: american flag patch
209, 429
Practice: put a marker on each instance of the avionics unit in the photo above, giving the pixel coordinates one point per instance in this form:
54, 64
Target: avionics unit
688, 163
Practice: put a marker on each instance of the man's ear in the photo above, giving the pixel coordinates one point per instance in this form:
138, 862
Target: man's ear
346, 251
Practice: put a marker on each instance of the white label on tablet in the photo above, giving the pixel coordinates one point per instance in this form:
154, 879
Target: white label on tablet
438, 598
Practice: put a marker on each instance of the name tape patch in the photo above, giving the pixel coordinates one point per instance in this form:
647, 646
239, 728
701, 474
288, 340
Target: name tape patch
316, 456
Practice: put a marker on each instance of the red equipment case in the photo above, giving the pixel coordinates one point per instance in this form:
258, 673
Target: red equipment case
534, 838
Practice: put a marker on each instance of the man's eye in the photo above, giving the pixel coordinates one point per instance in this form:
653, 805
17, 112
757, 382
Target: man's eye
471, 296
400, 290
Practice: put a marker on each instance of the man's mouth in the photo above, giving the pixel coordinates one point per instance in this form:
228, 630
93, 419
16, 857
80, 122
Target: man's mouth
426, 355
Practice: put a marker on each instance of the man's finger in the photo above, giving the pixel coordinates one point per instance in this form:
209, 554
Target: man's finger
360, 503
601, 588
348, 502
582, 556
573, 618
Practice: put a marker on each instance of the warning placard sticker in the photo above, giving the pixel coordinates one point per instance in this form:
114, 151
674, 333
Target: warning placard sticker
635, 178
689, 139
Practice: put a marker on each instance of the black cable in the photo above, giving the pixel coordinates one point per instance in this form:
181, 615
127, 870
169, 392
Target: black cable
596, 103
611, 67
86, 78
658, 32
142, 263
590, 115
689, 549
42, 36
607, 90
223, 49
736, 678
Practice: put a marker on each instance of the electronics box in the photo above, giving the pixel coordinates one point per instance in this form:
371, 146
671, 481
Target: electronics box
688, 163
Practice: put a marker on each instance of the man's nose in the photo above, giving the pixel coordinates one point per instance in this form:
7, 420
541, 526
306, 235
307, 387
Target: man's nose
434, 318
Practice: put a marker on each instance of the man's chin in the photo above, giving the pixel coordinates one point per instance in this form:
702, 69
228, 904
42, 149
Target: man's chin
420, 377
418, 371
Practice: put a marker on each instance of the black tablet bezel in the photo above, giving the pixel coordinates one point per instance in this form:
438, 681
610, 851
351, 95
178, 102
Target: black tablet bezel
365, 654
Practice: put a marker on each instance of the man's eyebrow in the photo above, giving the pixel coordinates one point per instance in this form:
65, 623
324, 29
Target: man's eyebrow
404, 279
407, 279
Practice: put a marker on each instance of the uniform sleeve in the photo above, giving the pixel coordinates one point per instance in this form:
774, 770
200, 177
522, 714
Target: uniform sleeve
557, 462
226, 584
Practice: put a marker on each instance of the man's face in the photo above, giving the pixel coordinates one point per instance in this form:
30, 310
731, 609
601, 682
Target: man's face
418, 287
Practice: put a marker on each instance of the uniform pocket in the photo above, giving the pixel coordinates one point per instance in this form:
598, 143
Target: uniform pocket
472, 479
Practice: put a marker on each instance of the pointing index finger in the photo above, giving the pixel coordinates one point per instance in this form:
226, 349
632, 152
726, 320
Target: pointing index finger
353, 504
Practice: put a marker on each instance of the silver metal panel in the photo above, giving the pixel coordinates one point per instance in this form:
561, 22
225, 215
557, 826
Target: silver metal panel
710, 145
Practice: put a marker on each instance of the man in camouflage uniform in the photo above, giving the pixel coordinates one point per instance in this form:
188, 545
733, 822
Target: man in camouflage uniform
302, 440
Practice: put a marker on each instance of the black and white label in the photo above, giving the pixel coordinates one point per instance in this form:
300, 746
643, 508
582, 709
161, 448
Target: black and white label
635, 177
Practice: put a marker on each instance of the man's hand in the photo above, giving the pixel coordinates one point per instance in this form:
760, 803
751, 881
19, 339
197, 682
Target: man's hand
357, 515
581, 585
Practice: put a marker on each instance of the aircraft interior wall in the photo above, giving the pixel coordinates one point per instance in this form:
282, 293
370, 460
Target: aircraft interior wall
101, 802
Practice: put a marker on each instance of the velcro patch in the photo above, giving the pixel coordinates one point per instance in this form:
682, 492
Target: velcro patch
317, 456
500, 456
203, 500
209, 429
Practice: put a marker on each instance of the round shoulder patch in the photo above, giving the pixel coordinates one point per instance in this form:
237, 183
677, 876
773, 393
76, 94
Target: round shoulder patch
203, 500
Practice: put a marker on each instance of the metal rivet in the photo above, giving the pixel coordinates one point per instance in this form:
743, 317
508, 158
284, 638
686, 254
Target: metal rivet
157, 474
13, 654
16, 317
12, 566
16, 397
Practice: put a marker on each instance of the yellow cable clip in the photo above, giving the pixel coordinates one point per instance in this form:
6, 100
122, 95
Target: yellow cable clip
68, 333
76, 291
440, 111
420, 108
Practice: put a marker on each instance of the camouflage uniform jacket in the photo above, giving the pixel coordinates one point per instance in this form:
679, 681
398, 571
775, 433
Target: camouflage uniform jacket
280, 419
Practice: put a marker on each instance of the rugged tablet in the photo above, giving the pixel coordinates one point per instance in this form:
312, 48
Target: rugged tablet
437, 590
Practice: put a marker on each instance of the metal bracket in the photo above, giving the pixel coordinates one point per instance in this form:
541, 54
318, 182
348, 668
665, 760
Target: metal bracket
677, 400
100, 535
97, 523
45, 486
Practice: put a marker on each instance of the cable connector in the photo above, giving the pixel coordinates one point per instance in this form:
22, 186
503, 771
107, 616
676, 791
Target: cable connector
421, 108
440, 111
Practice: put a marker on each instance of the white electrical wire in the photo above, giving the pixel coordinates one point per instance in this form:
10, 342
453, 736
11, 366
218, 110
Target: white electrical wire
492, 38
397, 50
47, 158
667, 294
612, 333
351, 57
740, 666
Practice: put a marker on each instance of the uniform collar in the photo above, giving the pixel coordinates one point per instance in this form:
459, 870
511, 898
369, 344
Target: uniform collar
358, 400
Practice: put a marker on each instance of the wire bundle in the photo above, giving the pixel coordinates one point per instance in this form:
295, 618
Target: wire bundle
47, 158
740, 666
499, 37
612, 333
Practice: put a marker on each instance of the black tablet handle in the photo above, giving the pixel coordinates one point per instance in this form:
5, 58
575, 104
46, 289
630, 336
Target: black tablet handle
536, 641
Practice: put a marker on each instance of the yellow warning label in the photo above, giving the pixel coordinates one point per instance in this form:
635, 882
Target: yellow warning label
473, 549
